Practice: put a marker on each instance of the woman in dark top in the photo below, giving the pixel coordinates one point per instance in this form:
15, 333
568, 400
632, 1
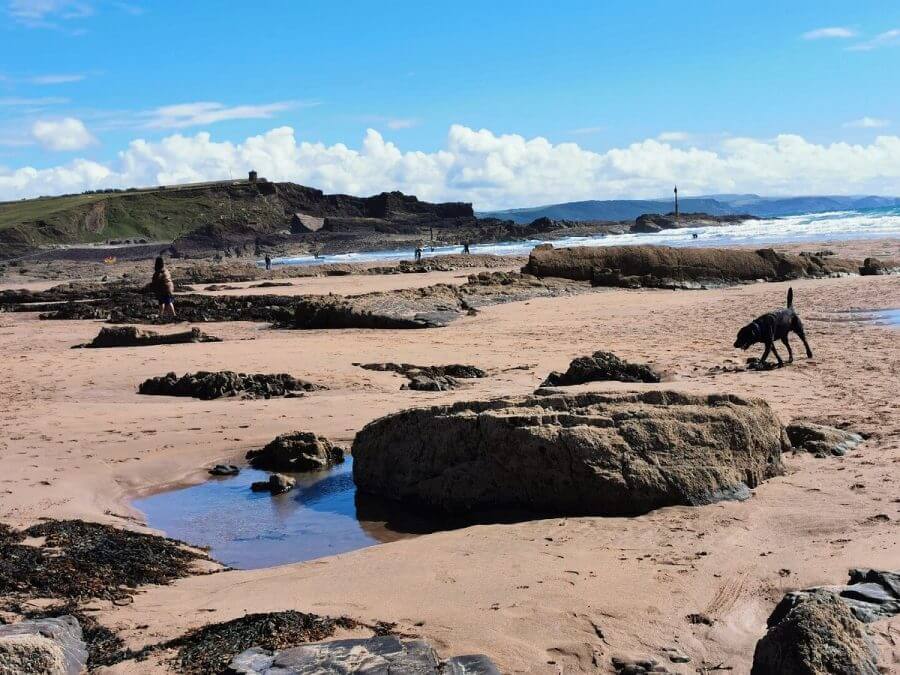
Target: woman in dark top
162, 287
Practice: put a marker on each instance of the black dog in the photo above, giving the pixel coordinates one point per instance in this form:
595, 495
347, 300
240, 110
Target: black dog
774, 326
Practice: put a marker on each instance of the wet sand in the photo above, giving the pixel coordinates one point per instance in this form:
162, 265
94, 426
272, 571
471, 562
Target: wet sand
546, 596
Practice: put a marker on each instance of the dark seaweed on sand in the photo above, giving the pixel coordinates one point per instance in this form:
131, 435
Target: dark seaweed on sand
210, 649
80, 560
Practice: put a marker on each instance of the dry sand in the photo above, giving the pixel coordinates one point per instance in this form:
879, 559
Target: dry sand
546, 596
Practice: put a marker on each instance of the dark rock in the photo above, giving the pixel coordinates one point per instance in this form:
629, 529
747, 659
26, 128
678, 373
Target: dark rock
277, 484
821, 440
601, 366
52, 646
873, 267
295, 452
224, 470
381, 654
585, 454
429, 378
132, 336
205, 385
816, 635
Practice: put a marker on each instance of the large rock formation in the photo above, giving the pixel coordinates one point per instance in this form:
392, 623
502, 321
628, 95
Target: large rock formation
46, 646
585, 454
297, 451
382, 654
666, 267
601, 366
205, 385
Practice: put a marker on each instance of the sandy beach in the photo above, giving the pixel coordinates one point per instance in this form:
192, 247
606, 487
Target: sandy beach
558, 595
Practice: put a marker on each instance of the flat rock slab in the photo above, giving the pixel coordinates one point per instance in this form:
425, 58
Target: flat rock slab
577, 454
385, 654
225, 383
822, 440
132, 336
48, 646
429, 378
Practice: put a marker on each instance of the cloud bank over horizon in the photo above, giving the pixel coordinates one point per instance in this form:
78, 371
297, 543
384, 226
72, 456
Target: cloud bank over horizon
491, 170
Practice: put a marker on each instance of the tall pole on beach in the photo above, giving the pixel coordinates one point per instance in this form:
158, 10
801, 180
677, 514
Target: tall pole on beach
676, 202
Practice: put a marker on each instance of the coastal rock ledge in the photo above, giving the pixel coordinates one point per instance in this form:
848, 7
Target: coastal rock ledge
575, 454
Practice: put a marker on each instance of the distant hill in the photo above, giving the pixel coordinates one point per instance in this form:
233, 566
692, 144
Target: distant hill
166, 213
717, 205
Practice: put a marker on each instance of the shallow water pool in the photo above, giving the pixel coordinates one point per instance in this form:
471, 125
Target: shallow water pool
321, 516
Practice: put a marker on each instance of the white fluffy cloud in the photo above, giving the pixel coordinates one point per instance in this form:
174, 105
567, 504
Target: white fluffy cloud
829, 33
492, 170
868, 123
203, 113
68, 133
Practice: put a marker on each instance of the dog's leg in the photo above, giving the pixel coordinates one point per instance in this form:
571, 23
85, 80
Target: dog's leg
788, 345
775, 352
762, 360
798, 329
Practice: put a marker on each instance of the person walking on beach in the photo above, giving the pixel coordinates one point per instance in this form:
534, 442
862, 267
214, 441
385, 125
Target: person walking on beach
466, 247
418, 253
162, 287
268, 262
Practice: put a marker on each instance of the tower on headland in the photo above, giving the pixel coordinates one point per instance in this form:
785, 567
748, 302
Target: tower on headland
253, 177
676, 202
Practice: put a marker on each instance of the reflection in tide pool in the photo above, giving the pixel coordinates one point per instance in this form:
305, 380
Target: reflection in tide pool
248, 530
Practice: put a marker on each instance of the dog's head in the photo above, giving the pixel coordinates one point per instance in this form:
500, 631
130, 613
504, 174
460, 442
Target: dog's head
747, 336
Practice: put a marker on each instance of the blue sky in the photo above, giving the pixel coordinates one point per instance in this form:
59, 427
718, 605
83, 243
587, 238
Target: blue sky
81, 81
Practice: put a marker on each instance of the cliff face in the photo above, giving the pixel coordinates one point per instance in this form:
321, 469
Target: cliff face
167, 213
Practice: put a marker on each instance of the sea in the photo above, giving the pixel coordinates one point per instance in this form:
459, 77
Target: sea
878, 223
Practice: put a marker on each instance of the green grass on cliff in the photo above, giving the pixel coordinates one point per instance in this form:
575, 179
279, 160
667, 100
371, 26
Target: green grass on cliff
154, 214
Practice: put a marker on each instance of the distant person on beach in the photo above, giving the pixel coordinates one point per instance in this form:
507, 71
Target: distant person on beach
162, 287
466, 247
418, 253
268, 262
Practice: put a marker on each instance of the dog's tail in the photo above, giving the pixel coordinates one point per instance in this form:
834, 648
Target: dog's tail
790, 297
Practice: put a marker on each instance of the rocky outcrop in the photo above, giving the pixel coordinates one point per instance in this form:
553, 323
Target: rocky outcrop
656, 222
876, 267
48, 646
297, 451
601, 366
819, 635
429, 378
585, 454
132, 336
666, 267
820, 440
822, 630
206, 385
382, 654
276, 484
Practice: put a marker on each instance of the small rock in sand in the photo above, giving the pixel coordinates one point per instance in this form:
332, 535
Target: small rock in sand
821, 440
601, 366
224, 470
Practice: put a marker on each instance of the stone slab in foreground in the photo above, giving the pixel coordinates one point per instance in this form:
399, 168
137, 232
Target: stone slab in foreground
386, 654
51, 646
577, 454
